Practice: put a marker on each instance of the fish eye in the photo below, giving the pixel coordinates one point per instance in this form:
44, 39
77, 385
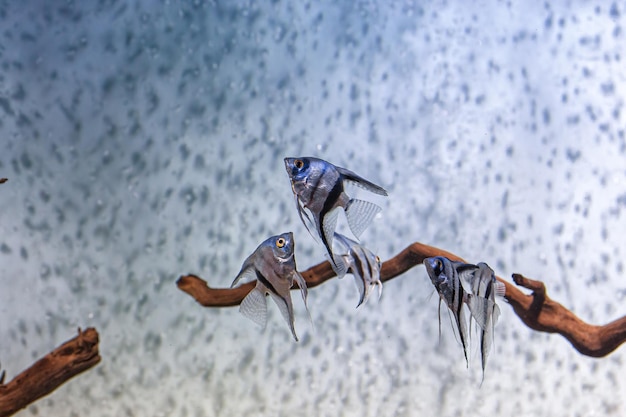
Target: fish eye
438, 264
298, 163
280, 242
378, 261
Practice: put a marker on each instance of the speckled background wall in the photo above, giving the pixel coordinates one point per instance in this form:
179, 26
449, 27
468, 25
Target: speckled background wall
144, 140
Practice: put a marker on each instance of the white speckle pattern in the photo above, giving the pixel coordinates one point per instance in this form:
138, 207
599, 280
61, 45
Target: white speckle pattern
143, 140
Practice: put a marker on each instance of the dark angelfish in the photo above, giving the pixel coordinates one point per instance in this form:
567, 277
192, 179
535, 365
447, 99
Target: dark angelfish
318, 186
361, 263
446, 276
273, 266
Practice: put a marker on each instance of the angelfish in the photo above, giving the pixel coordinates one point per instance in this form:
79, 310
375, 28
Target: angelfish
484, 284
273, 266
318, 186
362, 264
446, 276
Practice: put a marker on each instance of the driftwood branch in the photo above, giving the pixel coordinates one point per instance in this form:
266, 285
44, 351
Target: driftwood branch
536, 310
3, 180
48, 373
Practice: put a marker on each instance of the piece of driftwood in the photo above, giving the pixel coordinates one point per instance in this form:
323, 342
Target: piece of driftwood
48, 373
3, 180
536, 310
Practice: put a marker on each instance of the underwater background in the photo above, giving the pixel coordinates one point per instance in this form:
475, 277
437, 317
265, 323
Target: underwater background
144, 140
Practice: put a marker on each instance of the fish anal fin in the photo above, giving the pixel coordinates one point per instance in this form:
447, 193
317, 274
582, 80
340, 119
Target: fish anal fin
286, 310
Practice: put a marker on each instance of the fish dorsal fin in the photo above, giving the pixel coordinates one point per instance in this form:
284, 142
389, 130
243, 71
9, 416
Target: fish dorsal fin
361, 182
254, 307
360, 214
286, 310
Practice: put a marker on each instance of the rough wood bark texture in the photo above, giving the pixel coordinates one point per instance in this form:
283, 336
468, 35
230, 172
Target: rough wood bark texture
536, 310
48, 373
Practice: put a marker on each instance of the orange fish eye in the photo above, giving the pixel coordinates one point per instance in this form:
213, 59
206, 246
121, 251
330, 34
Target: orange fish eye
439, 264
378, 260
280, 242
298, 163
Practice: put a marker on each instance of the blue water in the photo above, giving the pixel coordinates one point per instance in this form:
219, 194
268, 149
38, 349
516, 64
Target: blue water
144, 140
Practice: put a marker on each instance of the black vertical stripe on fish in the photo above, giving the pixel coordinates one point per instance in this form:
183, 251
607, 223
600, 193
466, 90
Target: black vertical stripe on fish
459, 291
359, 266
315, 186
488, 290
266, 282
329, 204
368, 263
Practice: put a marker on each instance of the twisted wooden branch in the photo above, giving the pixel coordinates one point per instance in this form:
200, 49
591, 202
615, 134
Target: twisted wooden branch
536, 310
3, 180
48, 373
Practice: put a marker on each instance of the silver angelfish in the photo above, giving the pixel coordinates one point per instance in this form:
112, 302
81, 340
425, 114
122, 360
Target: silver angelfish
318, 186
273, 266
484, 284
446, 276
362, 264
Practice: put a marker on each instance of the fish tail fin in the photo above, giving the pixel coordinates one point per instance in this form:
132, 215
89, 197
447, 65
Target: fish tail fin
339, 264
254, 307
500, 289
360, 214
479, 309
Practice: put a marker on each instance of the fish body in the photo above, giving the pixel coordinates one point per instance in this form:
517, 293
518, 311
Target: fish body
273, 266
318, 186
484, 284
361, 263
446, 276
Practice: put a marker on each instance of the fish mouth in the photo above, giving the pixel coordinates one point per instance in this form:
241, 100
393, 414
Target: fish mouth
289, 164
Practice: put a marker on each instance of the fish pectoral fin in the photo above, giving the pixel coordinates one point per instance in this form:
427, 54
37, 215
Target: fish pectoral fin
360, 214
286, 310
254, 307
361, 182
304, 216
